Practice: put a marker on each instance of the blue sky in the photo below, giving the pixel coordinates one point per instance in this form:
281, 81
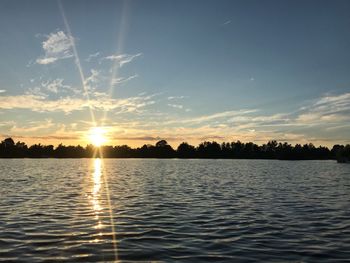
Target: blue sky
178, 70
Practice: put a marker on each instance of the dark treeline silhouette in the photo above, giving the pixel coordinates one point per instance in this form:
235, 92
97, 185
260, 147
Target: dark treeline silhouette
233, 150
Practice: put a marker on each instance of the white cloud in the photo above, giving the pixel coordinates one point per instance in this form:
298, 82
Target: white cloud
176, 106
2, 90
121, 80
326, 110
122, 59
36, 91
56, 46
176, 97
93, 80
45, 61
68, 104
92, 56
7, 123
335, 99
33, 126
212, 117
55, 86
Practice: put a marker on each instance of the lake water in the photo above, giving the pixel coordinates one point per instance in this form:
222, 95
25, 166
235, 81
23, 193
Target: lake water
165, 210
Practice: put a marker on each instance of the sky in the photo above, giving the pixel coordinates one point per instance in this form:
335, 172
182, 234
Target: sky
175, 70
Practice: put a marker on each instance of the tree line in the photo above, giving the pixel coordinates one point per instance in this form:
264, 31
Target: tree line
226, 150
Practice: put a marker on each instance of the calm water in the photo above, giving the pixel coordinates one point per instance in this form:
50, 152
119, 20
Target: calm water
166, 210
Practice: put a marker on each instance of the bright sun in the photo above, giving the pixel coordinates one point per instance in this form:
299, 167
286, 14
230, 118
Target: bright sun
97, 136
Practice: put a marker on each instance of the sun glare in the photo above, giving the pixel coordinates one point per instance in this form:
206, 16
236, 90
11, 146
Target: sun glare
97, 136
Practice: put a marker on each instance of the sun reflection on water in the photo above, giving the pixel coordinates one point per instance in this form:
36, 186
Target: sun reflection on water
99, 179
96, 195
97, 185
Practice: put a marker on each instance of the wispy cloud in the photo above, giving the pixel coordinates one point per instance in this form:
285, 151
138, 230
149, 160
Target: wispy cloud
122, 59
36, 91
122, 80
176, 97
211, 117
326, 110
33, 127
92, 56
57, 46
7, 123
226, 22
93, 80
176, 106
55, 85
68, 104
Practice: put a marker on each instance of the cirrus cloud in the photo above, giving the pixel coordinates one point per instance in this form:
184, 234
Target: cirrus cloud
122, 59
56, 46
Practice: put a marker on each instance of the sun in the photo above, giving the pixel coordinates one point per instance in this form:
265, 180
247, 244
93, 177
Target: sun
97, 136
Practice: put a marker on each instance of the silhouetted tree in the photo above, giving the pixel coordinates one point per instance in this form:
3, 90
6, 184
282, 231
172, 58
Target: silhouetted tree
184, 150
249, 150
343, 155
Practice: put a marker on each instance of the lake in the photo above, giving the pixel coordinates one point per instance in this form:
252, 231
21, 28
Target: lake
88, 210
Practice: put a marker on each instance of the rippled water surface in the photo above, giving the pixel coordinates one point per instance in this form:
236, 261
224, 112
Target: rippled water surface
166, 210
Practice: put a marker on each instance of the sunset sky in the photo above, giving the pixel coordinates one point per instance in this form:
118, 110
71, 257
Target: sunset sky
175, 70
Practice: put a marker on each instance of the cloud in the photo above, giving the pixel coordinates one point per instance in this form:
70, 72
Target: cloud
226, 23
122, 59
44, 137
7, 123
122, 80
2, 90
176, 106
139, 138
36, 91
176, 97
125, 131
56, 46
251, 124
55, 86
92, 56
33, 126
310, 124
335, 99
326, 110
68, 104
211, 117
92, 81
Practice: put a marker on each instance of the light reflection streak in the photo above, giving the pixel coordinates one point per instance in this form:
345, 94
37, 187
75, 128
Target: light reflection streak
97, 186
99, 177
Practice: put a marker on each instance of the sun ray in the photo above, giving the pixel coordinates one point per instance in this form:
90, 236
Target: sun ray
77, 61
120, 43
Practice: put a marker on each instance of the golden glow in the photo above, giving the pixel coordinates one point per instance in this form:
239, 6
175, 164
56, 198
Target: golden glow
97, 136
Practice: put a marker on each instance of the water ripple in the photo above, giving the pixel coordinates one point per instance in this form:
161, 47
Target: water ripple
174, 210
